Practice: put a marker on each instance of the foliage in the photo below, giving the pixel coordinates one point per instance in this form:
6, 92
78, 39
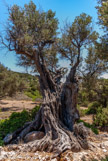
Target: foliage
33, 112
75, 37
102, 46
82, 96
93, 90
82, 112
33, 94
95, 130
1, 141
90, 72
31, 30
13, 82
103, 12
102, 92
101, 117
93, 107
15, 121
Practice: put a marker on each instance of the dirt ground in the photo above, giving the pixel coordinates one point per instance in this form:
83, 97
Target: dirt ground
9, 106
98, 150
87, 118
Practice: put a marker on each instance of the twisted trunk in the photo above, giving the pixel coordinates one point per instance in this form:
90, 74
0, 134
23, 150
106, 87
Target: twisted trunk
56, 118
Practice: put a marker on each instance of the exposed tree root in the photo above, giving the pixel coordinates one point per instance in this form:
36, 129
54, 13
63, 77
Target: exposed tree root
58, 138
56, 118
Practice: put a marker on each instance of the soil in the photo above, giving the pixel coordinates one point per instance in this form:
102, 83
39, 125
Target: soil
9, 106
88, 119
98, 150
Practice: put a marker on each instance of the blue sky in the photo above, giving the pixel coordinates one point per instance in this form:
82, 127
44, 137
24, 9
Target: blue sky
65, 10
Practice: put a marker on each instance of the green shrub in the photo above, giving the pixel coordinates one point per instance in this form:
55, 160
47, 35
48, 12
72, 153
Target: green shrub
33, 94
95, 130
1, 141
92, 108
101, 118
15, 121
34, 111
85, 103
82, 97
82, 112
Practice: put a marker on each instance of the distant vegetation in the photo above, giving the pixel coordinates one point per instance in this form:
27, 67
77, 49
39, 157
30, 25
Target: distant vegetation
93, 93
14, 82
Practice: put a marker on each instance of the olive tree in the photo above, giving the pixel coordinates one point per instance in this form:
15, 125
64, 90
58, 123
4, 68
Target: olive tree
102, 46
32, 34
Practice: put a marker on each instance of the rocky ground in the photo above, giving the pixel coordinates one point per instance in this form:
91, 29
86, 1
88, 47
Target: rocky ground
98, 150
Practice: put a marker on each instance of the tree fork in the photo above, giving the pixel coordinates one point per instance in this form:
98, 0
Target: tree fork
61, 132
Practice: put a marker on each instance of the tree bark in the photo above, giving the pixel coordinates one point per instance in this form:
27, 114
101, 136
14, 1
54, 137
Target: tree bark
69, 100
56, 118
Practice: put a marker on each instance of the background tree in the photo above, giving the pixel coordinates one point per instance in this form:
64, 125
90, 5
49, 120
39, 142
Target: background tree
32, 34
92, 69
96, 63
103, 21
102, 92
103, 13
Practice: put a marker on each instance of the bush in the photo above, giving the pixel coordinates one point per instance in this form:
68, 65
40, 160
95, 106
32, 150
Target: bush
1, 141
85, 103
34, 111
101, 118
82, 112
93, 107
15, 121
33, 94
82, 97
95, 130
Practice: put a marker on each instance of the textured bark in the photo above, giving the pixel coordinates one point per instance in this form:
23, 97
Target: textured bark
56, 118
69, 100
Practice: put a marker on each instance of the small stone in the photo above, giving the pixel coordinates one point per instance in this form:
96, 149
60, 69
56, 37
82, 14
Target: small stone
104, 150
35, 135
54, 159
8, 138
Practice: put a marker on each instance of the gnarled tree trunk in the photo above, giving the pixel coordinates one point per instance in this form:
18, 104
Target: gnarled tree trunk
56, 118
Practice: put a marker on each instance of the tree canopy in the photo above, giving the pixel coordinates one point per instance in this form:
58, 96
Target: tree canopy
103, 21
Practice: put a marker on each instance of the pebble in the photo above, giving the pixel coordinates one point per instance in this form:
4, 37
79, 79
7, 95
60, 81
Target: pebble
15, 154
104, 150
